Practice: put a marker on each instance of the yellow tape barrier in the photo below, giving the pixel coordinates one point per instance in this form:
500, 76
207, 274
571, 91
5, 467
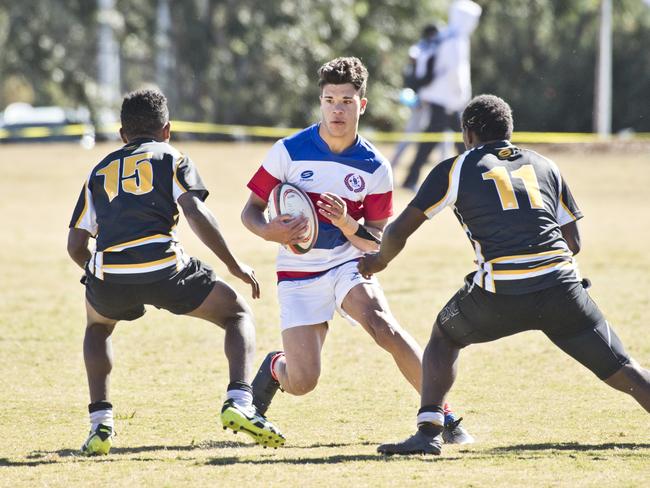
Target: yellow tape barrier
243, 131
378, 136
41, 132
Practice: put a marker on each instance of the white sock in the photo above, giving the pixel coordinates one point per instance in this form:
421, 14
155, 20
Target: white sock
242, 398
101, 417
435, 418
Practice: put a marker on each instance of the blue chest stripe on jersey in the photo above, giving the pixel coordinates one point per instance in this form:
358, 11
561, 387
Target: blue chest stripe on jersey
307, 145
329, 236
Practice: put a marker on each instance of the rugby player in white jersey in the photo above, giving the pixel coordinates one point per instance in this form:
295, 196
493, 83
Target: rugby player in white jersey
350, 183
129, 204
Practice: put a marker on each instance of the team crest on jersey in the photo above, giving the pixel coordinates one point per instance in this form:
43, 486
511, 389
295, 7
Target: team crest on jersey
509, 153
354, 182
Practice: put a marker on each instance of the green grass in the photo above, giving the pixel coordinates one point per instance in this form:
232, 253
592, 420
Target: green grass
539, 418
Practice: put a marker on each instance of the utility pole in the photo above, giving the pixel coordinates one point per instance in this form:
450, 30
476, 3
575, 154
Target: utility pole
108, 68
603, 92
164, 60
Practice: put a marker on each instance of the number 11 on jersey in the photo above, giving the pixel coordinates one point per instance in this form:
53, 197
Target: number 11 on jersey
503, 181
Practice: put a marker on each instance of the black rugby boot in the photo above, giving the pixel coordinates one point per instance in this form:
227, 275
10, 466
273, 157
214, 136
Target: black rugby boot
418, 443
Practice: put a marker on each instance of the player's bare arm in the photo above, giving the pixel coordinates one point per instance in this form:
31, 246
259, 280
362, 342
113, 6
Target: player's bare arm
283, 229
205, 226
393, 241
571, 235
364, 236
78, 246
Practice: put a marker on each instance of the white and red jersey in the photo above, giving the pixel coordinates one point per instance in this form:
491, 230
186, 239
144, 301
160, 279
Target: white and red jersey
360, 175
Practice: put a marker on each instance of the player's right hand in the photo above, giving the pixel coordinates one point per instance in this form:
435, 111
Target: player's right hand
286, 229
247, 275
370, 264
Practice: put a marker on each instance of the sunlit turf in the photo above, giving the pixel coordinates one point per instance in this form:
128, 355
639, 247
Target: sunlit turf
539, 418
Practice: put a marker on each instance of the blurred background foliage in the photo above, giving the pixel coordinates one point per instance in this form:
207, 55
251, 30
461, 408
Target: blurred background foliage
254, 62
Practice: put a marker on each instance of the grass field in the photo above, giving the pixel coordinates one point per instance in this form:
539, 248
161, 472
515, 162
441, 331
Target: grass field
539, 418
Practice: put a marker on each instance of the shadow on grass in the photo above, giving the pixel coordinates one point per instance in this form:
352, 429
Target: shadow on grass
4, 462
37, 458
333, 444
567, 446
335, 459
191, 447
277, 456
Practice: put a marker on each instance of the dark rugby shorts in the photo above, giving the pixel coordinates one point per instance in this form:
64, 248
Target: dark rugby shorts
180, 294
565, 313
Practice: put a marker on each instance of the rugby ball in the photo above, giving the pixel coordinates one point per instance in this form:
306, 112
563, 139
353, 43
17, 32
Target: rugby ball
289, 199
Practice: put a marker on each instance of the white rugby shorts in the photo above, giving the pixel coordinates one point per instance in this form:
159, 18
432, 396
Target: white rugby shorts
314, 300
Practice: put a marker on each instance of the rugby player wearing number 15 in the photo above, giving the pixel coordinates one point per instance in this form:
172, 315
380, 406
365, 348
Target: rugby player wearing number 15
351, 185
129, 204
520, 217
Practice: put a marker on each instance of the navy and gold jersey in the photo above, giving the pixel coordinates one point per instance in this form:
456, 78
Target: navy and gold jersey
511, 203
128, 204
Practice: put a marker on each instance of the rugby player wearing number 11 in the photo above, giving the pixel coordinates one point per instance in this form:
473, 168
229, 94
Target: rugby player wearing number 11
520, 217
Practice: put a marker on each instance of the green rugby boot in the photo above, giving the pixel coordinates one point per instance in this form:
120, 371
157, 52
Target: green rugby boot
250, 421
99, 441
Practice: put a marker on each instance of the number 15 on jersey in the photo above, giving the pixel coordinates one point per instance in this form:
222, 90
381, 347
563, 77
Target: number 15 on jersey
136, 178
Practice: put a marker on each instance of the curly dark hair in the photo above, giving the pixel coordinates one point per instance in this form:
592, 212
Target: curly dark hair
344, 70
489, 117
144, 112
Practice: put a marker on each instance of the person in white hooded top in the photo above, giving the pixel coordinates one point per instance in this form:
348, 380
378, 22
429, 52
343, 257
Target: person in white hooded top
450, 87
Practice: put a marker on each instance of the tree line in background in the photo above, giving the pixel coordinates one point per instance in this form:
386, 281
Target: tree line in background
254, 62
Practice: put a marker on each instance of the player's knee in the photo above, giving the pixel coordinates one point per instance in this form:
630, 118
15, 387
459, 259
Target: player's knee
242, 315
238, 314
239, 307
301, 382
304, 387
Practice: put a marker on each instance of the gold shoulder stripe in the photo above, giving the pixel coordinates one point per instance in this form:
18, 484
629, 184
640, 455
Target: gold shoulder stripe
85, 209
439, 202
567, 209
180, 185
